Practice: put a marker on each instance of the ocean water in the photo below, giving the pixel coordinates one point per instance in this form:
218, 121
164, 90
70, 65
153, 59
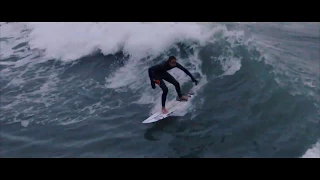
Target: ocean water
82, 90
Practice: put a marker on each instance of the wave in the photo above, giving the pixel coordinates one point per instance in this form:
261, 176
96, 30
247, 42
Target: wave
77, 71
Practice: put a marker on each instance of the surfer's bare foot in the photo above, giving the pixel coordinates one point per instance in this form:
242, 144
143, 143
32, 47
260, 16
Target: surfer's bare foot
164, 110
184, 98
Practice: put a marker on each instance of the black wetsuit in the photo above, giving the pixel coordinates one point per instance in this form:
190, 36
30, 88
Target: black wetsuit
159, 73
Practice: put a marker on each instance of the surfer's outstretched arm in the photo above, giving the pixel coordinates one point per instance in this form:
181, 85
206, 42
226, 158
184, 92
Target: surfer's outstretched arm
187, 72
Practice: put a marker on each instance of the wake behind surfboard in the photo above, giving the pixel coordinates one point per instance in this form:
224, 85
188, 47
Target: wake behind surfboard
173, 107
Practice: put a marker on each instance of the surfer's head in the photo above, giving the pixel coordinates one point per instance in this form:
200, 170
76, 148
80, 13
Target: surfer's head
172, 61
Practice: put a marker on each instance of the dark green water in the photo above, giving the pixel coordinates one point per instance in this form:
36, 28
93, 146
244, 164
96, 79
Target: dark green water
84, 93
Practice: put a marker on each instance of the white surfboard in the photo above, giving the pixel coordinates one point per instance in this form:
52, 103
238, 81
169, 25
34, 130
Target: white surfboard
172, 107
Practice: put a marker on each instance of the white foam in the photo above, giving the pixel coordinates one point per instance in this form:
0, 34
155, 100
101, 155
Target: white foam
25, 123
12, 34
70, 41
230, 65
313, 152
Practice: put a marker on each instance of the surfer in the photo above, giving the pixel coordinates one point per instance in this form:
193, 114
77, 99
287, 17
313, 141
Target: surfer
158, 73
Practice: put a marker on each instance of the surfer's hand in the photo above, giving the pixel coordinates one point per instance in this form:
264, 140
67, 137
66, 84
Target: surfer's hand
195, 82
153, 85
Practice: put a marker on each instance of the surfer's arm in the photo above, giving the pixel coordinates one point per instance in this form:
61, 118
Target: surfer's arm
151, 73
186, 71
152, 70
151, 76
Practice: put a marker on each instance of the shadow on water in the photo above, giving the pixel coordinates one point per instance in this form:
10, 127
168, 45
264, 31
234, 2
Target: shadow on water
157, 127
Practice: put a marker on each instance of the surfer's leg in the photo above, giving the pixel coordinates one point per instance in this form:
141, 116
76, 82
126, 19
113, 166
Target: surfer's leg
164, 88
173, 81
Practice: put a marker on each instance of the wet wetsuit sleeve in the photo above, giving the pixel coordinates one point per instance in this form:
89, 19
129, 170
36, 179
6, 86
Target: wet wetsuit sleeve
153, 69
185, 71
151, 73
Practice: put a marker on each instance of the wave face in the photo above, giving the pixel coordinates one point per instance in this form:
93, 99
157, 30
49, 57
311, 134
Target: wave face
82, 90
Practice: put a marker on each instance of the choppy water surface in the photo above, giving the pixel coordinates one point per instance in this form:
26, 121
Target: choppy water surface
82, 90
